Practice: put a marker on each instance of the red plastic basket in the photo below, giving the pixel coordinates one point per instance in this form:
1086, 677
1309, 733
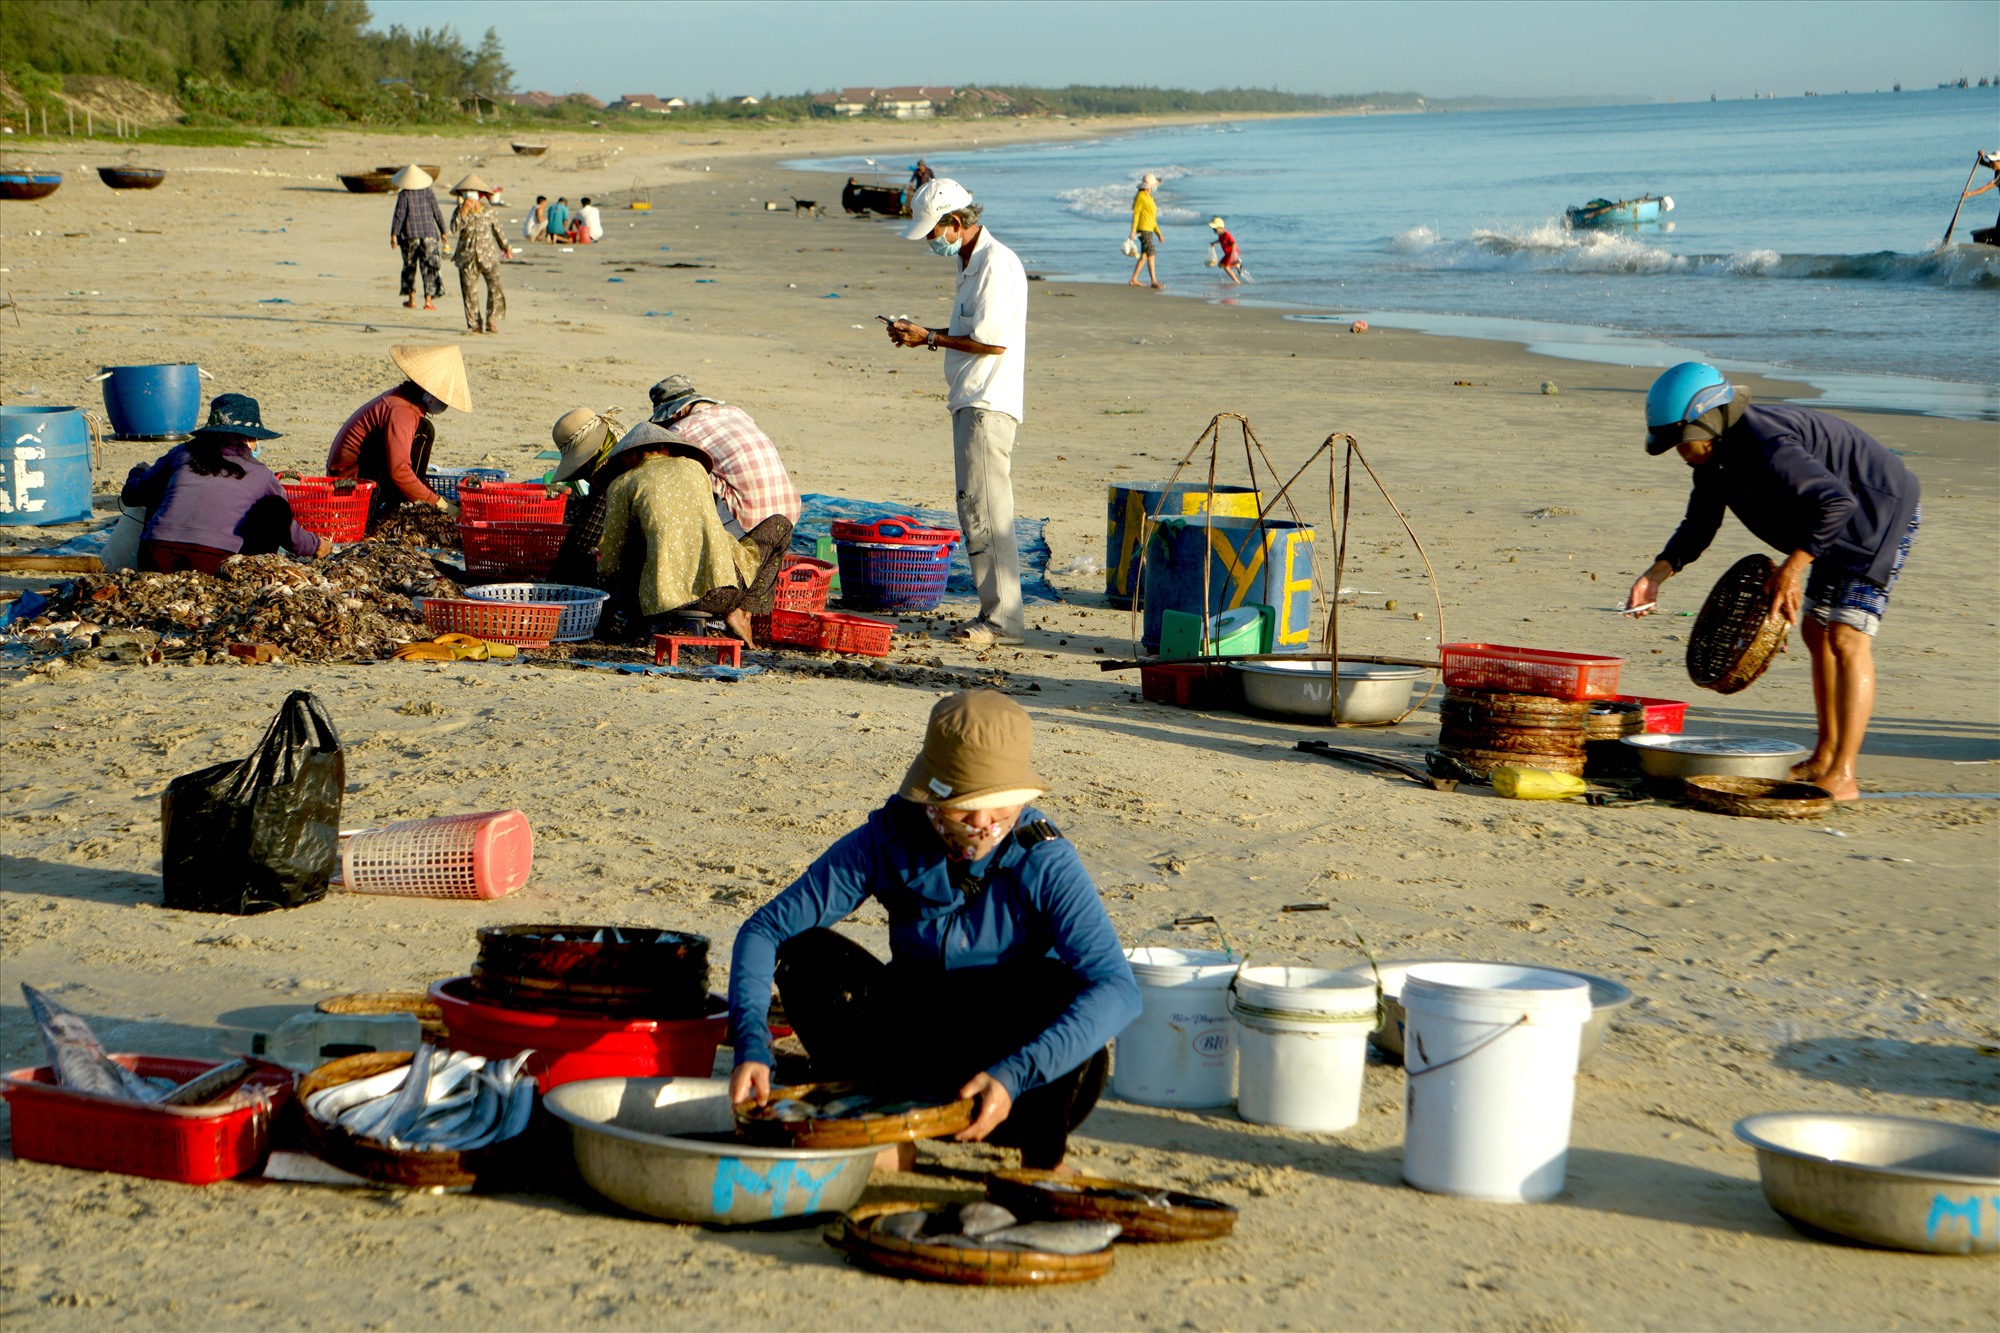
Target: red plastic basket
508, 501
511, 551
803, 584
1663, 716
194, 1145
569, 1047
899, 531
335, 508
529, 624
893, 564
1500, 669
825, 632
487, 855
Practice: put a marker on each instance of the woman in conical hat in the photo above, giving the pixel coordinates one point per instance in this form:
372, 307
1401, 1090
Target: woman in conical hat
388, 439
418, 230
477, 247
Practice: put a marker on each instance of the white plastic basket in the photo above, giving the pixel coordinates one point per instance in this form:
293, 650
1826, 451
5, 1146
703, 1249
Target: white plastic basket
486, 855
581, 606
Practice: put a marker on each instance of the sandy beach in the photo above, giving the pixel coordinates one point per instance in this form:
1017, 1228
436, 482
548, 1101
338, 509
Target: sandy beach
1847, 964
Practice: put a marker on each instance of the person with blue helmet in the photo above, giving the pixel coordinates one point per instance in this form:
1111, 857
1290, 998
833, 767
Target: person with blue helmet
1836, 500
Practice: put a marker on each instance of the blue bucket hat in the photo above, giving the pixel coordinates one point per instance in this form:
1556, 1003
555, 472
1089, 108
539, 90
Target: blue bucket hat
236, 414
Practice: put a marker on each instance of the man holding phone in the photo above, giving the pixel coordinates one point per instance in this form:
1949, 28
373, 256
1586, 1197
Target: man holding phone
985, 348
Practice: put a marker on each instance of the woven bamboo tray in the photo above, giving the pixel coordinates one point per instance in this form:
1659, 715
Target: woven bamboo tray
1183, 1217
1759, 798
1481, 763
491, 1166
1520, 709
1738, 631
757, 1124
854, 1236
368, 1003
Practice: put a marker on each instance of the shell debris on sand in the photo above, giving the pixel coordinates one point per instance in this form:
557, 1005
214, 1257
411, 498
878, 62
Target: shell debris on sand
352, 605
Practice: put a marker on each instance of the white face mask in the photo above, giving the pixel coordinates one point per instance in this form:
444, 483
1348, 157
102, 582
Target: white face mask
941, 245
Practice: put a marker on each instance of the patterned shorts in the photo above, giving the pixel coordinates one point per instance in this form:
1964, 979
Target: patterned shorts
1837, 599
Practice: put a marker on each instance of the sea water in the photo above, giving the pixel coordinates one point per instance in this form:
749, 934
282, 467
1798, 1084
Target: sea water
1804, 240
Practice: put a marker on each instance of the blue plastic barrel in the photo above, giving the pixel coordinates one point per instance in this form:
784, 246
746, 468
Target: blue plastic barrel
44, 466
1248, 563
1129, 509
153, 402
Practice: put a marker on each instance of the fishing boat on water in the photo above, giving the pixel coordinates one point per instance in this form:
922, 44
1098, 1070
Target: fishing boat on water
877, 198
1599, 213
1981, 235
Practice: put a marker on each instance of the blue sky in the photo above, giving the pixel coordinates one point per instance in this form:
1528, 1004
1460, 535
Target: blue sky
1443, 48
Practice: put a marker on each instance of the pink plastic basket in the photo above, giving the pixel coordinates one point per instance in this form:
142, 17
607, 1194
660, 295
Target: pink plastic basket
485, 855
1500, 669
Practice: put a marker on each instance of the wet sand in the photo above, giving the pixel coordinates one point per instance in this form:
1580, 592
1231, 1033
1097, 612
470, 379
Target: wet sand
1840, 965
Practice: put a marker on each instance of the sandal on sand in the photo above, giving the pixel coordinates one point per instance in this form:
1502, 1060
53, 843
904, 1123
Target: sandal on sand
982, 633
456, 648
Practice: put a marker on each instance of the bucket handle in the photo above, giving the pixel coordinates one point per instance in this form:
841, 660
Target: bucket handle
1462, 1055
98, 377
1228, 950
1381, 1005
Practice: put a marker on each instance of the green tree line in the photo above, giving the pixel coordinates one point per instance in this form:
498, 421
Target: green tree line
279, 62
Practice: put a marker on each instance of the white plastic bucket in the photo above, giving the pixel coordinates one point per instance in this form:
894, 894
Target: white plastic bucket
1490, 1079
1181, 1049
1302, 1043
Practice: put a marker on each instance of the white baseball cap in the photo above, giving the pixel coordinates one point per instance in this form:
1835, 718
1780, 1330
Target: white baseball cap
931, 203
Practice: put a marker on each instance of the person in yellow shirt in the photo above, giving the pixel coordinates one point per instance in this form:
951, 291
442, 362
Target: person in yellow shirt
1146, 229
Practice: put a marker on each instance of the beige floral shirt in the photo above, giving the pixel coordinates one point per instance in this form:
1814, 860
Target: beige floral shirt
688, 551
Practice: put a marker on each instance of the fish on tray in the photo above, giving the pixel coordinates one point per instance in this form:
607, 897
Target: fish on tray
986, 1226
1151, 1198
852, 1106
79, 1059
442, 1101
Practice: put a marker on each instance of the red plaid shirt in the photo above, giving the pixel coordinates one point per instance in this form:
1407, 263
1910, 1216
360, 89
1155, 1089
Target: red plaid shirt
749, 475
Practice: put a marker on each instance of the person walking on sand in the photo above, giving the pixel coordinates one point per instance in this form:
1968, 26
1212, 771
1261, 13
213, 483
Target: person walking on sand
985, 351
1146, 229
1231, 260
477, 247
418, 230
1827, 493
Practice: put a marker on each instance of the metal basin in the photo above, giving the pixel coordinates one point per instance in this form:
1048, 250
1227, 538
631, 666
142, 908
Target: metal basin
1607, 997
1667, 759
1888, 1180
1368, 693
664, 1147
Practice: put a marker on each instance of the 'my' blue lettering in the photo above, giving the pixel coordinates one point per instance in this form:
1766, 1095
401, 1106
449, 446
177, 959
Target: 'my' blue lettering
777, 1180
1943, 1208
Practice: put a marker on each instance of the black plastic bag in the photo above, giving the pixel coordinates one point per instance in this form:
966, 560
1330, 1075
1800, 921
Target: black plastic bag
262, 832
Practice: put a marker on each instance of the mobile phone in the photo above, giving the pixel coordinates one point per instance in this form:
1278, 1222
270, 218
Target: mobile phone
885, 319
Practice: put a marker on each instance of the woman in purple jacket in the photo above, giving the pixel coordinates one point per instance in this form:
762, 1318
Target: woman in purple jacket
210, 498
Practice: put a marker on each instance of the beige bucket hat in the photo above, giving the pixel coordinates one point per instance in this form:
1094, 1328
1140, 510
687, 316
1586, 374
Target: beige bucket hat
438, 371
975, 755
412, 177
470, 184
583, 435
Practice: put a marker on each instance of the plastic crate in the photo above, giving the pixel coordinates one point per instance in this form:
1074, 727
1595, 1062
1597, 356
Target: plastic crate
529, 624
486, 855
511, 550
517, 502
1663, 716
824, 632
195, 1145
445, 480
1499, 669
1210, 685
582, 607
336, 509
803, 584
893, 564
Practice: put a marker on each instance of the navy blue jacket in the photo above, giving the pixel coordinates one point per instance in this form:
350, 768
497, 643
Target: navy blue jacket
1038, 903
1802, 480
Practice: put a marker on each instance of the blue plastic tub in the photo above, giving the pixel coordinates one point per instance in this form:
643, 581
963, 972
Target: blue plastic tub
153, 402
44, 466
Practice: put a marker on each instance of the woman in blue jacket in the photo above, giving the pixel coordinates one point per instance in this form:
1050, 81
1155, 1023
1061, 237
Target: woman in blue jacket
1005, 980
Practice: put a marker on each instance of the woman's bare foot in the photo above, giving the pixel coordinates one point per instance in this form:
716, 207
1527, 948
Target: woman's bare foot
410, 304
1840, 786
738, 622
1809, 769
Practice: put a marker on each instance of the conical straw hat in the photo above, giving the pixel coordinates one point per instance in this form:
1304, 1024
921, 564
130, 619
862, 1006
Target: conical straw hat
438, 371
412, 177
470, 184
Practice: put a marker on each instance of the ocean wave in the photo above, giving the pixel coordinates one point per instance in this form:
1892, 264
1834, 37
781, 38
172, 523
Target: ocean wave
1550, 247
1113, 202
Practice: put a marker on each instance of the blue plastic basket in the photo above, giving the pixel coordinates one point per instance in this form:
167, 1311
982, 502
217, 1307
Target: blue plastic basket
880, 577
444, 480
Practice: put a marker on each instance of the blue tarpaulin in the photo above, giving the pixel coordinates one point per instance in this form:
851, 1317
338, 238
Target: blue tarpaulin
822, 511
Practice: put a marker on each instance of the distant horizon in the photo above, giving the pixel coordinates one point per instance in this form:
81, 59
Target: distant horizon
1447, 50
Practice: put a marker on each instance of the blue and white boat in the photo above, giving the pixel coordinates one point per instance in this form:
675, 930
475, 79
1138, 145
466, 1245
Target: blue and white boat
1619, 212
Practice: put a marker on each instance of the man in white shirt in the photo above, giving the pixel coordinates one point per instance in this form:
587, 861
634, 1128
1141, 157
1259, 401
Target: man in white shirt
985, 349
593, 221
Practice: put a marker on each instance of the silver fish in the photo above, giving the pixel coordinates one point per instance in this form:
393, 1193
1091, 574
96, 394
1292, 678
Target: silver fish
328, 1104
980, 1219
80, 1062
842, 1107
211, 1085
1056, 1237
791, 1110
903, 1226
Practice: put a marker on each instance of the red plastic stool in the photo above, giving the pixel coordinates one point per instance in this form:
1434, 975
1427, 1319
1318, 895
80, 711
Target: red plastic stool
667, 648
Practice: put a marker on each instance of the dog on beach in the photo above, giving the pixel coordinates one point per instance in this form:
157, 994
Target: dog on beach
804, 208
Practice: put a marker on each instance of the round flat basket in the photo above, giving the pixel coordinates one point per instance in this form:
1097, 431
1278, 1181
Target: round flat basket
593, 971
761, 1125
1759, 798
1003, 1266
1738, 631
1481, 762
1145, 1213
412, 1170
1516, 709
369, 1003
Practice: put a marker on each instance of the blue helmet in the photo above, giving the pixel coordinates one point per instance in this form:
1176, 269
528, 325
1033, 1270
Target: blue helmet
1682, 394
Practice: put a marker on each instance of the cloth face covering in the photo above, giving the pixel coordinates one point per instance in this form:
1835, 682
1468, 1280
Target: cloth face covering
961, 841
